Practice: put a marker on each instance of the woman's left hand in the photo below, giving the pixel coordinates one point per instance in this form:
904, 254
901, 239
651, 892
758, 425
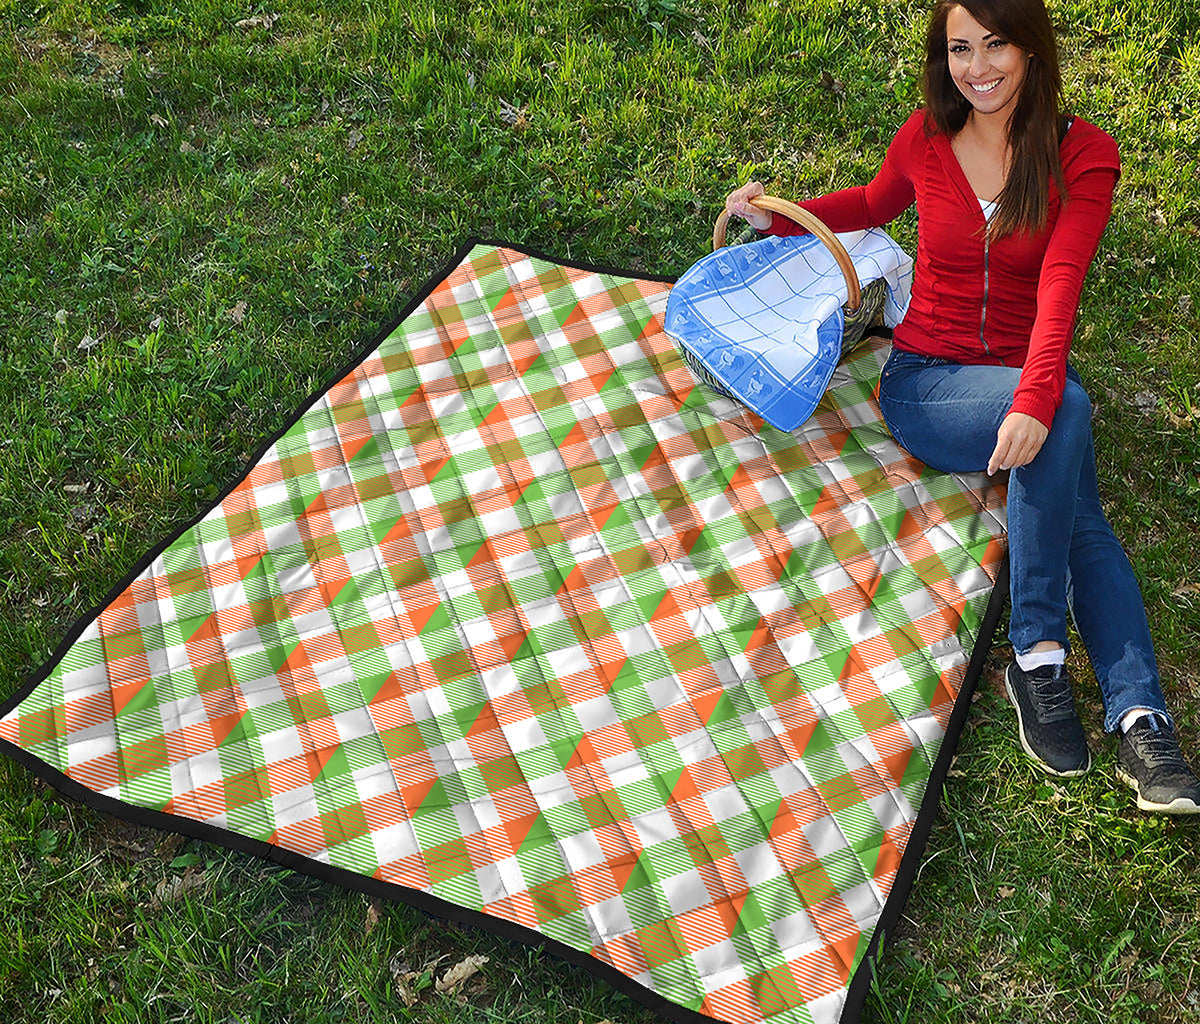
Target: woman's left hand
1018, 441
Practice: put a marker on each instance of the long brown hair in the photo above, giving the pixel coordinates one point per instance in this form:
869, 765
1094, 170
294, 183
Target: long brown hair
1035, 127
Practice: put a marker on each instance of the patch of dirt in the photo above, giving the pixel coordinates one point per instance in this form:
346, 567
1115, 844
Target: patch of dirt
122, 840
85, 55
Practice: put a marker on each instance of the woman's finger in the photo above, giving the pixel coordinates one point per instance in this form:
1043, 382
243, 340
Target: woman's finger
1015, 449
741, 196
737, 204
1018, 442
999, 454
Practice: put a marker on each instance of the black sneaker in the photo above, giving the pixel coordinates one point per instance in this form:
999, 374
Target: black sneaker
1051, 732
1149, 760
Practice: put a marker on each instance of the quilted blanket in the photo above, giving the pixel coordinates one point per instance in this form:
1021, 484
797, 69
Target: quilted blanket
519, 623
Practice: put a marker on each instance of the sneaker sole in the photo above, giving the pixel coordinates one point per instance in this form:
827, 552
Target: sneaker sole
1072, 773
1180, 805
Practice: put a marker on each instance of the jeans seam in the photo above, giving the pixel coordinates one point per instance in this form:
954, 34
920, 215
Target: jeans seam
887, 423
938, 402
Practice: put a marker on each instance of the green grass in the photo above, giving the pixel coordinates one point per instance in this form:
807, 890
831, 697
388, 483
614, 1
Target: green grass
159, 167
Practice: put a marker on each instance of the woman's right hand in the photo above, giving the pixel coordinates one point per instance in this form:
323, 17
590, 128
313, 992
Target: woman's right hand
737, 204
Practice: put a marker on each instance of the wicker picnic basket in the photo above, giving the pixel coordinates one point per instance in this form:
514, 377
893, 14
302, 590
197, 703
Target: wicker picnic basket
862, 308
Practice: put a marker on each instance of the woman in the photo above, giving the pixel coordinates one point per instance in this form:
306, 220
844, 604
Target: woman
1012, 198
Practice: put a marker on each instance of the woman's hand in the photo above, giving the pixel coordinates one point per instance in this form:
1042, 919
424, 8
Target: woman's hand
1018, 441
737, 203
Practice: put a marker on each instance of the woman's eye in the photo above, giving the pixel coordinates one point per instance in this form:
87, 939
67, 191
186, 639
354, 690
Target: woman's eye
993, 45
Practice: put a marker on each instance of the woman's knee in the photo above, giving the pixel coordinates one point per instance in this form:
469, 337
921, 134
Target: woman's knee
1073, 420
1070, 437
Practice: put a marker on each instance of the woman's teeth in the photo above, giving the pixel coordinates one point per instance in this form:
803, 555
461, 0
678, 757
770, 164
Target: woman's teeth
986, 88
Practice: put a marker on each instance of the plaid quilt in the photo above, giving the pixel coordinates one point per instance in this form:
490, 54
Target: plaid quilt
518, 622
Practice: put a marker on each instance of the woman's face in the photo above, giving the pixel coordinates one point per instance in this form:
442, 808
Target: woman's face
987, 69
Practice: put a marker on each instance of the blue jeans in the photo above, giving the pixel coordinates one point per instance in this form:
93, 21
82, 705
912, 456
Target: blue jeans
1062, 551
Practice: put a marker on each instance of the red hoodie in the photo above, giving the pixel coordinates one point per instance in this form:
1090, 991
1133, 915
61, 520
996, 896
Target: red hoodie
1010, 302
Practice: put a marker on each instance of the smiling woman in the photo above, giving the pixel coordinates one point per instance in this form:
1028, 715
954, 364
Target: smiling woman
1012, 198
997, 89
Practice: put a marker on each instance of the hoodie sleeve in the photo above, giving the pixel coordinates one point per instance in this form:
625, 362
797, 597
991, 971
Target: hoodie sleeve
1092, 174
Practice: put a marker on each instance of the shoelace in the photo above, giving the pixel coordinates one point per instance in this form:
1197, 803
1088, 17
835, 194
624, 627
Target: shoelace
1158, 748
1053, 694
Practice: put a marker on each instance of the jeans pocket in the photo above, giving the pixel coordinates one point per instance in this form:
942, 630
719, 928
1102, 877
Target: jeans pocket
899, 362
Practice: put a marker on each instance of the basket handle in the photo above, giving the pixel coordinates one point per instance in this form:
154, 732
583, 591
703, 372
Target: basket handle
813, 224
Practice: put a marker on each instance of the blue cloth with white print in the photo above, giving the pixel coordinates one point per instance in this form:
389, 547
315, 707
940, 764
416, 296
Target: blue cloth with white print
765, 320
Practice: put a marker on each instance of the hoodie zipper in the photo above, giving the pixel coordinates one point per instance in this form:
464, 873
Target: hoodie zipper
983, 309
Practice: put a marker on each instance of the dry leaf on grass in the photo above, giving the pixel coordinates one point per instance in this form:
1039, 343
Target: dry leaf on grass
127, 850
374, 913
512, 115
1145, 400
169, 846
87, 341
170, 889
405, 989
1005, 891
993, 674
409, 983
238, 313
257, 21
831, 84
460, 972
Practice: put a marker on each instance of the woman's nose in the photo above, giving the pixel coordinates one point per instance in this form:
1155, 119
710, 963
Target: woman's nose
978, 62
